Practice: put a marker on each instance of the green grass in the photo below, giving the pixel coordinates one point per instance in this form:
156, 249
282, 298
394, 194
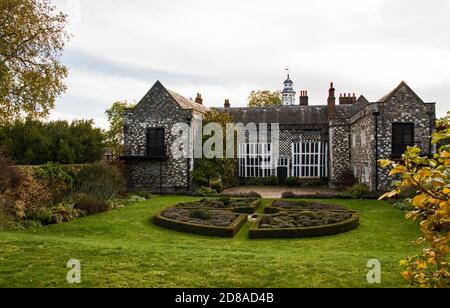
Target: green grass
123, 248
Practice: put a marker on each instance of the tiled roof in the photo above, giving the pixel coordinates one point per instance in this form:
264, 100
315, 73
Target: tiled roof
187, 103
280, 114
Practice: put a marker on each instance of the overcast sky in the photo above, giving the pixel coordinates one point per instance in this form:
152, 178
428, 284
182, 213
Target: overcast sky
226, 49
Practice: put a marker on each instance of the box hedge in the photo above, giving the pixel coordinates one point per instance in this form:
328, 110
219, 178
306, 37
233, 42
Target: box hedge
216, 231
257, 233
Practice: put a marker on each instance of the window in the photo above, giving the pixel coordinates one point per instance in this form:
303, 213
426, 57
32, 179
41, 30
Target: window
309, 159
255, 160
402, 137
155, 143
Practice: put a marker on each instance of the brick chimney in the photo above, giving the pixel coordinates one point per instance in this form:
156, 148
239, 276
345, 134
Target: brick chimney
199, 99
304, 98
331, 102
227, 104
347, 100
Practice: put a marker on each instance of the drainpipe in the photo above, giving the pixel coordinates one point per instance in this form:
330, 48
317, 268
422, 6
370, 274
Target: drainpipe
431, 114
188, 184
376, 113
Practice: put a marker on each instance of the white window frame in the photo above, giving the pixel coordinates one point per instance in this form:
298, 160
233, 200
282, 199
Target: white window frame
255, 160
309, 157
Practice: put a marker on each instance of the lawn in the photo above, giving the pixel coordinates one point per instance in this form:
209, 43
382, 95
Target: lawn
122, 248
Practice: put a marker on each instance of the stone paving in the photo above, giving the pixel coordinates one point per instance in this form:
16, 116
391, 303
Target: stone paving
276, 191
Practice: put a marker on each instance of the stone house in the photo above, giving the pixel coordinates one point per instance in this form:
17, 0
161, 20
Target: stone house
330, 142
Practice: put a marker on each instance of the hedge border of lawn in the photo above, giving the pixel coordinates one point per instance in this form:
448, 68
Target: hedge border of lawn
216, 231
344, 226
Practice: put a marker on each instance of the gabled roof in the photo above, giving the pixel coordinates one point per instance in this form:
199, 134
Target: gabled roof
187, 103
182, 101
391, 93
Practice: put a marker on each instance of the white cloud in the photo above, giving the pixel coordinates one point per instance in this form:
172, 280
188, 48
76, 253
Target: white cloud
364, 46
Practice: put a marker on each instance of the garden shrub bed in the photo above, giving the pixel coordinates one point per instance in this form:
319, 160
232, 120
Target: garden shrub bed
184, 222
301, 205
245, 205
257, 232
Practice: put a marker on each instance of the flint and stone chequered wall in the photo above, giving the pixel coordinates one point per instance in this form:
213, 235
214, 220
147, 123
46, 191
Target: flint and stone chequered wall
156, 110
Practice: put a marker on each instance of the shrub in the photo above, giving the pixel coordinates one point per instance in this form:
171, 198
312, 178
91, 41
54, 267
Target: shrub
205, 192
288, 195
134, 199
200, 214
292, 181
271, 181
90, 205
30, 194
199, 179
58, 181
99, 180
8, 173
250, 194
144, 194
217, 185
309, 214
63, 212
255, 181
359, 190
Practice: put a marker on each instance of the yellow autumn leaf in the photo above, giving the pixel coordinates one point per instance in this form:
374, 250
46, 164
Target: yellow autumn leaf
384, 163
398, 170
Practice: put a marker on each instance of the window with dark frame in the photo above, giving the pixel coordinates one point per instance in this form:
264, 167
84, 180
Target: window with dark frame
402, 137
155, 143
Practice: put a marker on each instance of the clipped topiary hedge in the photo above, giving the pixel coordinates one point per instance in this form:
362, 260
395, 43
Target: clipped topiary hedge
229, 231
256, 232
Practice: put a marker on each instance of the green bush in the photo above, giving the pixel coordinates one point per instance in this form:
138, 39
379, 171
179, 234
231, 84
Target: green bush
63, 212
271, 181
200, 214
255, 181
90, 205
199, 179
288, 195
359, 190
59, 182
100, 181
217, 185
250, 194
205, 192
144, 194
292, 181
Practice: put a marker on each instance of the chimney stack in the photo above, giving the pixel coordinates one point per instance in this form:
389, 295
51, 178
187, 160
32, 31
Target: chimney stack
304, 98
199, 99
227, 104
347, 100
331, 102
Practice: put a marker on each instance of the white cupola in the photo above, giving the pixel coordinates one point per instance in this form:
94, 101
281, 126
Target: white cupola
288, 94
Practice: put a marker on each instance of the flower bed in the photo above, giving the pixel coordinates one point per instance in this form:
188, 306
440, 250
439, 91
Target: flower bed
303, 219
245, 205
220, 223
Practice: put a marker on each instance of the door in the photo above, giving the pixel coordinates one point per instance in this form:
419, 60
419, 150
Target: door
282, 174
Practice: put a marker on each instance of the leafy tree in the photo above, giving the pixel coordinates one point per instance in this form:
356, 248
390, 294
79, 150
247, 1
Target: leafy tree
32, 38
35, 143
430, 177
115, 134
264, 98
210, 171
